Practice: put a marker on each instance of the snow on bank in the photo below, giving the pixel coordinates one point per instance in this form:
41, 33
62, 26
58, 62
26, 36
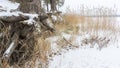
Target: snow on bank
86, 57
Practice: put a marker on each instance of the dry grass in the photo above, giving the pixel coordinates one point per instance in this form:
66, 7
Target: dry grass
96, 24
76, 23
70, 24
40, 55
42, 49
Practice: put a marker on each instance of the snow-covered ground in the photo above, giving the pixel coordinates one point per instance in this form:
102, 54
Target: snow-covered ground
89, 57
86, 56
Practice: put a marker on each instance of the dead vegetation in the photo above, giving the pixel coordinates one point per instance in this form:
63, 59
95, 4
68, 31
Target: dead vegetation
23, 35
77, 25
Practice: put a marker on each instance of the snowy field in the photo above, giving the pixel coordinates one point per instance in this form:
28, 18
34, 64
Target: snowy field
90, 57
86, 56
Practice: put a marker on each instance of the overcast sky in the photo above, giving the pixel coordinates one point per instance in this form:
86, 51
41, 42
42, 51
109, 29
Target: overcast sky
75, 4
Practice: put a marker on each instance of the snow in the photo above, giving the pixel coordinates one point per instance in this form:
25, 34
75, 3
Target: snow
31, 18
90, 4
8, 8
8, 5
86, 57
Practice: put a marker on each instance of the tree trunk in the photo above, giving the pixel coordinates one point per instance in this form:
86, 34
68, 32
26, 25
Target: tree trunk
53, 5
29, 6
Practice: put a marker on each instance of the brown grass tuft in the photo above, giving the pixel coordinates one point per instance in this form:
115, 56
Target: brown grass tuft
75, 23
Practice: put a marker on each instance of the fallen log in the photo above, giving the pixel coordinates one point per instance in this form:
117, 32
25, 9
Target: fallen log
12, 19
21, 17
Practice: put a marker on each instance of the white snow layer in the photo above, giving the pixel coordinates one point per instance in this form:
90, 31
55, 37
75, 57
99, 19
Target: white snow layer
8, 5
8, 8
86, 57
76, 5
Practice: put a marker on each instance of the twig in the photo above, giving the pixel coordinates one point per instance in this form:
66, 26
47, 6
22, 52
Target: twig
68, 41
11, 48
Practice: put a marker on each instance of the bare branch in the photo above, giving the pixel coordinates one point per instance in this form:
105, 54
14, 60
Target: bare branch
11, 48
